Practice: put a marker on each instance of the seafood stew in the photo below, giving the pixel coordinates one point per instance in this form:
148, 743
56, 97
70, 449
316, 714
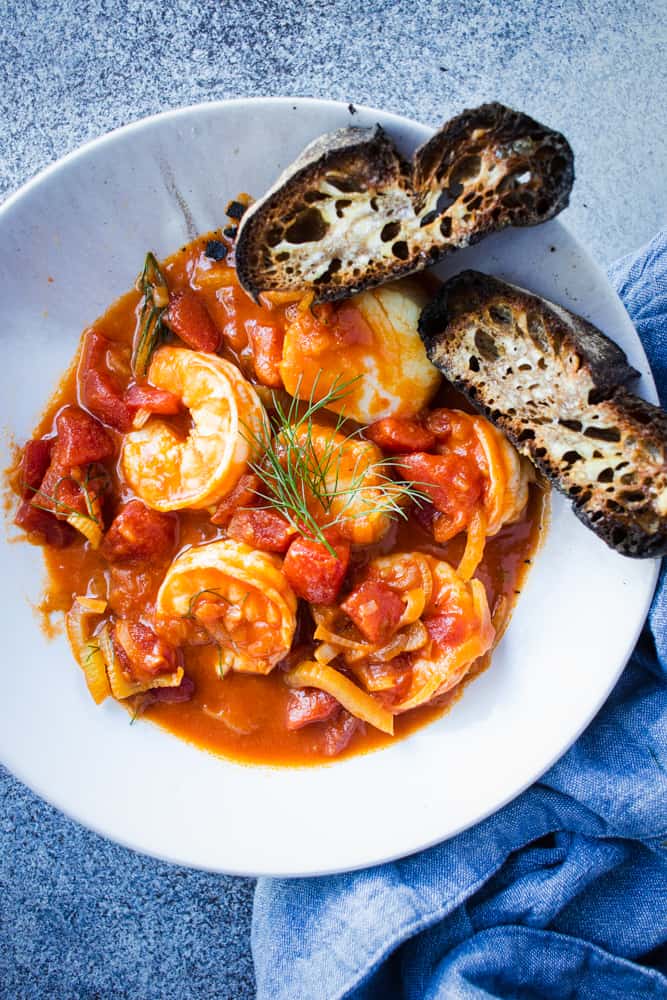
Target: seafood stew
272, 529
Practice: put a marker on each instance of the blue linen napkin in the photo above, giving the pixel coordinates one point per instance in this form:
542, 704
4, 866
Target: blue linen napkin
562, 893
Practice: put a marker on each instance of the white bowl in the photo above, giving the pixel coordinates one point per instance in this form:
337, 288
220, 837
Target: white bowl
70, 242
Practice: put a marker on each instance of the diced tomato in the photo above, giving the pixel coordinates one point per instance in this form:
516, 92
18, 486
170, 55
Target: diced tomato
316, 332
149, 397
350, 327
189, 318
306, 705
400, 436
266, 342
101, 394
244, 494
446, 629
81, 439
453, 482
131, 585
44, 526
454, 430
101, 391
424, 513
94, 354
445, 526
313, 572
262, 529
396, 674
375, 609
139, 533
339, 732
34, 463
174, 695
230, 299
439, 423
146, 652
60, 493
164, 695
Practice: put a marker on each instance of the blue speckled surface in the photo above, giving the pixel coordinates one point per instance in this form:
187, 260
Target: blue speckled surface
80, 917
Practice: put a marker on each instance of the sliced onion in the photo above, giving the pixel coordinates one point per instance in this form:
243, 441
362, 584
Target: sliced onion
94, 605
417, 636
475, 542
359, 703
141, 417
415, 603
339, 640
88, 527
326, 652
86, 649
121, 686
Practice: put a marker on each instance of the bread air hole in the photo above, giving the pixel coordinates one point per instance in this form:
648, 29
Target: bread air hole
445, 199
500, 314
308, 227
400, 250
346, 183
537, 332
274, 235
603, 433
632, 496
485, 344
606, 476
334, 266
390, 231
466, 170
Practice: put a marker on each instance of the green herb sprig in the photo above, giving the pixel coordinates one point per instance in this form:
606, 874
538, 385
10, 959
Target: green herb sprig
153, 286
302, 481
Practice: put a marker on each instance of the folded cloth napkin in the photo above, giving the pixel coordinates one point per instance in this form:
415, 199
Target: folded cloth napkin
563, 893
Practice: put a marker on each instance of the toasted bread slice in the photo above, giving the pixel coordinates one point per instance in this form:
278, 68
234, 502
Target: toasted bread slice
558, 388
351, 213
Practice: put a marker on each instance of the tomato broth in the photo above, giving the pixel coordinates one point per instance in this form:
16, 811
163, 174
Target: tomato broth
242, 716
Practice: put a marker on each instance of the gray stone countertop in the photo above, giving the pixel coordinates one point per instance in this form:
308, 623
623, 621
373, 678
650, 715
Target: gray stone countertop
79, 916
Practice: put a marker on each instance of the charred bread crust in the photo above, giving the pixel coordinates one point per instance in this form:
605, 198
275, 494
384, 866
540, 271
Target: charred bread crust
350, 213
558, 388
364, 158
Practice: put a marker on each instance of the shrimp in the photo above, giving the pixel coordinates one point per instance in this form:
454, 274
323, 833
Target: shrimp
508, 476
372, 338
464, 438
228, 593
409, 576
168, 472
459, 628
344, 480
444, 628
